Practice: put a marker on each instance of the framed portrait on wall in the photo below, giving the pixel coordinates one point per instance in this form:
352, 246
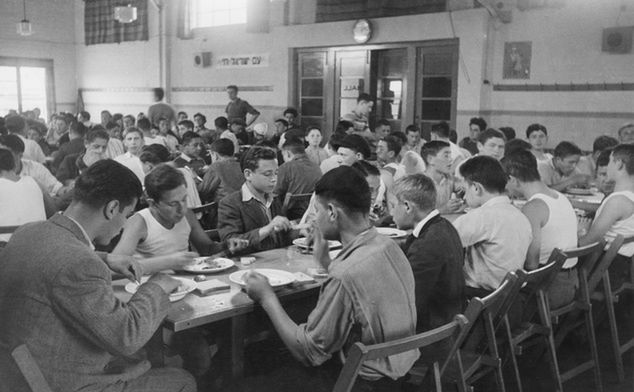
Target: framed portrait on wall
517, 60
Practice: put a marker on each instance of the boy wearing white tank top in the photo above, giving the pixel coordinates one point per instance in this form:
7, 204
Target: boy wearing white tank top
553, 222
616, 214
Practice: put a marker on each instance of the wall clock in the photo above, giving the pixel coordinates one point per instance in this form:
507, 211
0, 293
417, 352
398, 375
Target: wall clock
362, 31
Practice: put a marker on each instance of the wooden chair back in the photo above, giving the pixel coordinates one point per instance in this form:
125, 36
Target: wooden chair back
291, 200
29, 369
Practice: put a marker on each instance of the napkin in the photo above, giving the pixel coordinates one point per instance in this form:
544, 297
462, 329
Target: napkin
212, 286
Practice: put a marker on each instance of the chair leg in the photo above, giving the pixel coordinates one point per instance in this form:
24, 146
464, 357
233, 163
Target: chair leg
554, 364
516, 370
614, 332
593, 349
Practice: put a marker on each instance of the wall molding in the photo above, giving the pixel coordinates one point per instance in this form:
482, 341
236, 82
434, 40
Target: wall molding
545, 113
577, 87
212, 89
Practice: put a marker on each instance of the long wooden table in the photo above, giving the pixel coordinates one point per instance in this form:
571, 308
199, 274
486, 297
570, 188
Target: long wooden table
235, 305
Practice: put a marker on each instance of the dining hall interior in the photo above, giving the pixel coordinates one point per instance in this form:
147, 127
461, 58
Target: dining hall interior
334, 195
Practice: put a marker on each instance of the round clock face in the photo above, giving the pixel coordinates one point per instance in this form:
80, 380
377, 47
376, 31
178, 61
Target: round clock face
362, 31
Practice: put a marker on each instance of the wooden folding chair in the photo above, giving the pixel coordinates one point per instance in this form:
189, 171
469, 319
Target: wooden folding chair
611, 297
360, 352
7, 230
483, 358
297, 204
593, 262
209, 218
29, 369
535, 296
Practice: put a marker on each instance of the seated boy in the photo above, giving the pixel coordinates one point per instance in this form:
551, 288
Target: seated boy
437, 156
496, 235
490, 143
537, 136
588, 163
434, 251
253, 213
604, 184
224, 175
561, 172
192, 149
553, 222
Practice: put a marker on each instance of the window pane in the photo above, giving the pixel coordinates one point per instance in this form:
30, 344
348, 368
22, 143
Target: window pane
347, 105
437, 64
353, 67
389, 109
313, 65
437, 87
8, 90
206, 13
393, 62
312, 87
33, 83
312, 107
436, 109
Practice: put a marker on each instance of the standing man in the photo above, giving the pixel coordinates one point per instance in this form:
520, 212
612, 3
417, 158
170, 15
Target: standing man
57, 295
161, 109
359, 115
239, 109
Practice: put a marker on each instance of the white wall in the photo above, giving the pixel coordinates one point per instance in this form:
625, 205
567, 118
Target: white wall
53, 38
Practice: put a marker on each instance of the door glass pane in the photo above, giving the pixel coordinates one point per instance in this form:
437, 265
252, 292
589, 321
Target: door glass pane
312, 65
393, 62
312, 87
33, 83
437, 87
312, 107
437, 64
8, 90
347, 106
436, 109
389, 109
353, 66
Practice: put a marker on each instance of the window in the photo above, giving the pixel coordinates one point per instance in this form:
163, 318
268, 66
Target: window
25, 85
209, 13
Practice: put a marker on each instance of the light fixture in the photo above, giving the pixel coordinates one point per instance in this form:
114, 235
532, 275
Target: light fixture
125, 14
24, 26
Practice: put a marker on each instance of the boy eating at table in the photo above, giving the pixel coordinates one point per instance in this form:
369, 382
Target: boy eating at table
437, 156
368, 296
496, 235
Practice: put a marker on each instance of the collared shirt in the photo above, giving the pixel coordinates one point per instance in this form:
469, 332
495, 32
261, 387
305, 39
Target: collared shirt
360, 121
133, 163
550, 175
265, 204
238, 109
40, 174
496, 236
115, 148
83, 231
421, 224
368, 297
32, 150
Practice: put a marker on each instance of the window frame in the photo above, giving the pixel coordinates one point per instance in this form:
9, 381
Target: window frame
47, 64
195, 17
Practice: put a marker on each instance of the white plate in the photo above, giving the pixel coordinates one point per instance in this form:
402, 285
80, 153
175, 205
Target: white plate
301, 242
391, 232
580, 191
277, 278
207, 265
186, 287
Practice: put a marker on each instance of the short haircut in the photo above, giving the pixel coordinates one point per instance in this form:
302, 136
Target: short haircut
364, 97
292, 111
479, 121
78, 129
393, 144
13, 143
516, 144
625, 154
534, 128
187, 124
411, 128
224, 147
144, 124
111, 125
313, 128
357, 143
131, 118
85, 115
417, 189
163, 178
252, 157
221, 122
233, 86
189, 136
343, 126
335, 140
294, 145
490, 134
282, 121
604, 157
133, 130
441, 129
147, 156
347, 188
522, 165
14, 123
486, 171
604, 142
431, 149
159, 150
623, 127
366, 168
107, 180
159, 93
566, 149
509, 133
238, 121
96, 134
400, 135
202, 116
7, 163
383, 122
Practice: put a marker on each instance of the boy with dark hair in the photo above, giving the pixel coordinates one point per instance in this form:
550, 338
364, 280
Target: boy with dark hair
291, 115
414, 140
537, 136
604, 184
185, 126
495, 233
588, 163
359, 115
353, 148
433, 249
191, 150
388, 149
253, 212
437, 156
371, 272
95, 147
553, 223
224, 175
238, 109
440, 131
74, 146
491, 143
476, 126
561, 172
161, 109
222, 129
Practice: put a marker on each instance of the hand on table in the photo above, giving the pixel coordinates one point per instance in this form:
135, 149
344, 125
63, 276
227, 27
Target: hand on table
279, 223
236, 244
125, 265
179, 260
166, 282
258, 287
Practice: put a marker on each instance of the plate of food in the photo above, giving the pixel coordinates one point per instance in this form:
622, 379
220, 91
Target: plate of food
580, 191
185, 287
391, 232
276, 278
301, 242
208, 265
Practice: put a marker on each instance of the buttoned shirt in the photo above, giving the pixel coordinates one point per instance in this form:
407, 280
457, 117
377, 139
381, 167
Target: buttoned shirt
133, 163
265, 204
496, 236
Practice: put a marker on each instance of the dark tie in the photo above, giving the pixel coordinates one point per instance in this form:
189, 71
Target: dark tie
408, 242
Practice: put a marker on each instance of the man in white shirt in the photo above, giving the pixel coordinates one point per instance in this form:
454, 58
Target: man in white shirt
496, 235
17, 126
133, 142
440, 131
